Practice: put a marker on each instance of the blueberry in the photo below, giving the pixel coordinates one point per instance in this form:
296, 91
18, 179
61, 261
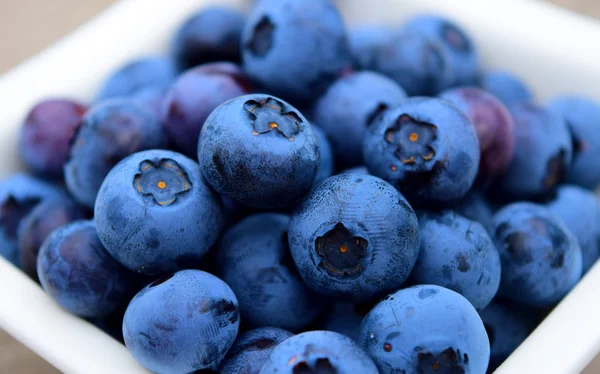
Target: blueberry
507, 326
47, 216
349, 106
541, 259
258, 150
137, 75
425, 329
155, 214
181, 323
252, 349
345, 319
542, 153
77, 272
580, 211
507, 87
111, 131
475, 207
326, 164
19, 194
152, 98
255, 261
229, 69
419, 63
364, 42
46, 134
583, 118
212, 34
494, 126
426, 148
354, 238
295, 48
356, 170
195, 94
464, 58
318, 352
458, 254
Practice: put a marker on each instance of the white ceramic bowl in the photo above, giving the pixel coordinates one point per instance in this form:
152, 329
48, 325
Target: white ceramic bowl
554, 50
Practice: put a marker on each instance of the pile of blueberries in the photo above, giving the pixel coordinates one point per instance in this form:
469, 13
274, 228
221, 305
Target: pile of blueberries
279, 195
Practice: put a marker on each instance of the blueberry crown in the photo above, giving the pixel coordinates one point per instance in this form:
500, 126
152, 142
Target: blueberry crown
269, 115
413, 140
162, 180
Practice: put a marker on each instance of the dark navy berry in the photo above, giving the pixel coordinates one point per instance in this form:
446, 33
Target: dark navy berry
181, 323
507, 87
425, 329
212, 34
419, 63
326, 163
494, 126
345, 319
580, 211
259, 150
47, 216
463, 54
255, 261
507, 326
354, 238
252, 349
426, 148
46, 134
113, 323
19, 195
542, 153
475, 207
458, 254
364, 43
111, 131
349, 106
583, 118
195, 94
155, 214
541, 259
77, 272
318, 352
158, 72
235, 212
295, 48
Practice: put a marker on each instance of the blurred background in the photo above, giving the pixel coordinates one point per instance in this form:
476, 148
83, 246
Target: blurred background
26, 27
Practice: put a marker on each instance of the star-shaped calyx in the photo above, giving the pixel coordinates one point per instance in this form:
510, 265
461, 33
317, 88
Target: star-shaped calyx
341, 251
270, 116
163, 180
413, 140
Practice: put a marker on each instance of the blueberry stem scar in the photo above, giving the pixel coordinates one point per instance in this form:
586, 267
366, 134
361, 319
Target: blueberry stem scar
164, 181
269, 116
414, 140
341, 251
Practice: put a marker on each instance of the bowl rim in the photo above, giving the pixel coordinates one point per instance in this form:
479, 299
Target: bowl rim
565, 342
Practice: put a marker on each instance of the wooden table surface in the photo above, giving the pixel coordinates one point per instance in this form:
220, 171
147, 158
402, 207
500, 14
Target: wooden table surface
27, 26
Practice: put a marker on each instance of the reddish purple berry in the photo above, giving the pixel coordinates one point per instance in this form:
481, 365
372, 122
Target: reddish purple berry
39, 223
493, 123
194, 96
46, 134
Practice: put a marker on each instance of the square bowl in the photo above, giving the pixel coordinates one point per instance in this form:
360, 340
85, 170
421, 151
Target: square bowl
551, 48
